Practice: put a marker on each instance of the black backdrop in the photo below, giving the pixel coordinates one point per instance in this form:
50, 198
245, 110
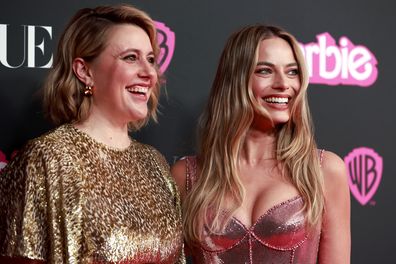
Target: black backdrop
354, 118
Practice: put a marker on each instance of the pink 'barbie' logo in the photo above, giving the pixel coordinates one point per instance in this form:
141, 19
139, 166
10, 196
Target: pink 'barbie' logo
365, 172
166, 41
345, 64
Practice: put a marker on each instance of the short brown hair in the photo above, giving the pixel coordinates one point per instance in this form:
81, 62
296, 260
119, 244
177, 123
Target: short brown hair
85, 37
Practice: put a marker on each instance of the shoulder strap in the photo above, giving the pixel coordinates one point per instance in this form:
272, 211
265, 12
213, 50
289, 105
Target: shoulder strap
321, 152
191, 172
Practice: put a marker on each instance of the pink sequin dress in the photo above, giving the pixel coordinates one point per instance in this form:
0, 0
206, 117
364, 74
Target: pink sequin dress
279, 236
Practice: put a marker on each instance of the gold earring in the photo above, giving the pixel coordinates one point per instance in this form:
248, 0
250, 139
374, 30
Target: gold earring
88, 91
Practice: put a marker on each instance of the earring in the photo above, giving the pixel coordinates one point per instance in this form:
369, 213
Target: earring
88, 91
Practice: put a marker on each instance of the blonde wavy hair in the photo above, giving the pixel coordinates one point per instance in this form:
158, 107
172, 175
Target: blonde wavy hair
86, 37
222, 129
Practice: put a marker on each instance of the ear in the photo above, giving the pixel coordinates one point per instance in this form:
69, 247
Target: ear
81, 70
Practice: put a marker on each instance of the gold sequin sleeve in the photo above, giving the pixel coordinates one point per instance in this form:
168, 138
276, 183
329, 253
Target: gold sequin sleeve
174, 190
23, 231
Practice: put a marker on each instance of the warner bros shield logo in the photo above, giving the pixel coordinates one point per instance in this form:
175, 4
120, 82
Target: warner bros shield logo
364, 167
166, 42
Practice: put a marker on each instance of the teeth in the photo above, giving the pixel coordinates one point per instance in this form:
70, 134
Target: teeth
138, 89
278, 100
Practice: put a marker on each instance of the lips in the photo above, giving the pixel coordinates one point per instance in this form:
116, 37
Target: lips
276, 100
138, 90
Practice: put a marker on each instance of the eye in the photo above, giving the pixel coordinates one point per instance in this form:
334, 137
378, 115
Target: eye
293, 72
130, 57
264, 71
151, 60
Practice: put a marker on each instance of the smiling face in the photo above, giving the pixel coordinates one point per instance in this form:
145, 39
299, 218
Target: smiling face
275, 81
123, 75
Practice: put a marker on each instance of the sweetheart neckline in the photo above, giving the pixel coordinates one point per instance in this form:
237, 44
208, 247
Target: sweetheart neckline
267, 212
265, 240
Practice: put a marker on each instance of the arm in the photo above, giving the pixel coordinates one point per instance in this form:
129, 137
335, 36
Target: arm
182, 257
161, 162
23, 228
335, 243
178, 171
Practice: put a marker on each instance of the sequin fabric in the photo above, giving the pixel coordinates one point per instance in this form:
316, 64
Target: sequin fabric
279, 236
67, 198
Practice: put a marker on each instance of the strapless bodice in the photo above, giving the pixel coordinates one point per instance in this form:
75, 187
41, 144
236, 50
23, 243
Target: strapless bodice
279, 236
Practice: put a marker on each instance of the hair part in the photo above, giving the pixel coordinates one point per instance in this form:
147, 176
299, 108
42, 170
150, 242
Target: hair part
222, 129
85, 37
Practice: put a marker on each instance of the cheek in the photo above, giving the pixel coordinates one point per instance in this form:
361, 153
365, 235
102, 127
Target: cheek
155, 78
126, 73
259, 88
256, 87
297, 85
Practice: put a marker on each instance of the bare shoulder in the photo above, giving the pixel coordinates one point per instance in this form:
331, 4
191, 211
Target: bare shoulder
336, 189
334, 170
178, 171
335, 242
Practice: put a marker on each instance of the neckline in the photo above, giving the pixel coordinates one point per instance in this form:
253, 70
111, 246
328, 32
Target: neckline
97, 143
267, 212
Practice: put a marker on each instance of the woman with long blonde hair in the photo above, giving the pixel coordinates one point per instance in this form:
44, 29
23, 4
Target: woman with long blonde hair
259, 190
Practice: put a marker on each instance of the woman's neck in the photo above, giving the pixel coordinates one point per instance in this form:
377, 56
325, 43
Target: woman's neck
108, 132
258, 146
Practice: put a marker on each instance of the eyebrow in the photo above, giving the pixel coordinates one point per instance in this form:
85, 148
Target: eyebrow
265, 63
134, 50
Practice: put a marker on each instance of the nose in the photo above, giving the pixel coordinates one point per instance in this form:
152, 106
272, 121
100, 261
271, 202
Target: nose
147, 70
280, 82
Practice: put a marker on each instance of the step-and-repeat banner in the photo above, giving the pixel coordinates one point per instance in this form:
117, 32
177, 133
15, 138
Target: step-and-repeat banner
349, 48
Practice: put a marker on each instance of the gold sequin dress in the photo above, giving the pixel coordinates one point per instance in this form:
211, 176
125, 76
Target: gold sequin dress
66, 198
